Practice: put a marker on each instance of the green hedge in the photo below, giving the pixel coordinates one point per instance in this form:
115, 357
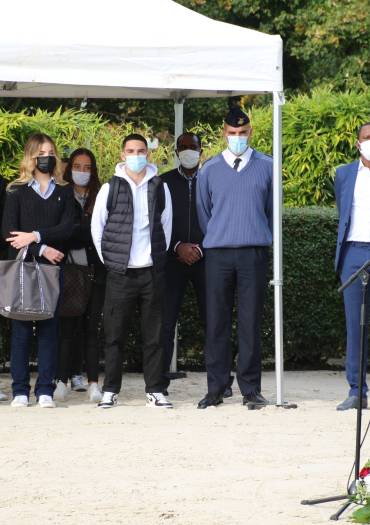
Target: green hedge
314, 326
319, 133
70, 129
313, 311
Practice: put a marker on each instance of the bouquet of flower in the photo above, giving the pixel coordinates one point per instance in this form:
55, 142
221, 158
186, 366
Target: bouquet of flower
362, 496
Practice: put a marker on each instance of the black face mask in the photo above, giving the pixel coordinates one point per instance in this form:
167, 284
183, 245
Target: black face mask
46, 164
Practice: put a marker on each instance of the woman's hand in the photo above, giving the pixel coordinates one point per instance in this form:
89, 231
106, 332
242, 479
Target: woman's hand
21, 239
52, 255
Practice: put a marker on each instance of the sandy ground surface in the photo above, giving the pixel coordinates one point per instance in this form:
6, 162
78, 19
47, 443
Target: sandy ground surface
133, 465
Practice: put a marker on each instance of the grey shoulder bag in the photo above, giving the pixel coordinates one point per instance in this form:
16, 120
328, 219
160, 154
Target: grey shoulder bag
29, 291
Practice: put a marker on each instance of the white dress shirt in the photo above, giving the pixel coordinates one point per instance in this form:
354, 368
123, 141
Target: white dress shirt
360, 213
140, 254
230, 157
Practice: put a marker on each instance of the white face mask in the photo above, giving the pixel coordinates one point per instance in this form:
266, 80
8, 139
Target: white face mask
81, 178
365, 149
189, 158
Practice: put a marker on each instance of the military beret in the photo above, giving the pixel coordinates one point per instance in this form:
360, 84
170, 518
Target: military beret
236, 118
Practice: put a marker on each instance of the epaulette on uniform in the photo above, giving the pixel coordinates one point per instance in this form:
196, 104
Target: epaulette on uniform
207, 160
210, 161
263, 156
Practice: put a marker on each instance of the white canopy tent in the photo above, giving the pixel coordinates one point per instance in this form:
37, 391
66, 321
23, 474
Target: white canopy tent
144, 49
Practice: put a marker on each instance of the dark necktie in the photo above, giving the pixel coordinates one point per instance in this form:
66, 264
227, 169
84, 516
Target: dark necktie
237, 161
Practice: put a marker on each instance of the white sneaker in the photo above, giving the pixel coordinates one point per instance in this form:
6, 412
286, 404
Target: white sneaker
3, 397
77, 384
19, 402
109, 400
94, 393
61, 391
157, 400
46, 402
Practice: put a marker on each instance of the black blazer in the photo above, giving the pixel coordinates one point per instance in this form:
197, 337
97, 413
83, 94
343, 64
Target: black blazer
81, 235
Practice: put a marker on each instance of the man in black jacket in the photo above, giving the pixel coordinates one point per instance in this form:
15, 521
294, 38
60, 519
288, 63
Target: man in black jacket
185, 261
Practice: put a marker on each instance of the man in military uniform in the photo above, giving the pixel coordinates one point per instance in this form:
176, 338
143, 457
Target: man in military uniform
234, 203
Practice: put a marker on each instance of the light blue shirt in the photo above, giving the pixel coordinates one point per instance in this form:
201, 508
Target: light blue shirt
49, 190
35, 185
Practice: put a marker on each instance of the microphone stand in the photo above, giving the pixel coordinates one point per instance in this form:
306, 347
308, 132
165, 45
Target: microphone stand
364, 276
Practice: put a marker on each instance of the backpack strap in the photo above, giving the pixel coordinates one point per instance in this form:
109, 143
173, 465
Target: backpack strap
114, 184
161, 197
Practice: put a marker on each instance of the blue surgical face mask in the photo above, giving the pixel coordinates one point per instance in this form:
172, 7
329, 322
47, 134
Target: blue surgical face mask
136, 163
237, 144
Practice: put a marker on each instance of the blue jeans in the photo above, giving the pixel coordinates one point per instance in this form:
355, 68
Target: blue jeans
355, 255
47, 347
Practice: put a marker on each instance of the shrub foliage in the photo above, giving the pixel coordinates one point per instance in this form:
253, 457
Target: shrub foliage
319, 133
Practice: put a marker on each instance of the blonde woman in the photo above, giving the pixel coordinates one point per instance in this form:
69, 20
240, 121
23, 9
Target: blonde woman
38, 213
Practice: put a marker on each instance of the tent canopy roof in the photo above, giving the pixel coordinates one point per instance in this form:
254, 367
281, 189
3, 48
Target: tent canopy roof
140, 49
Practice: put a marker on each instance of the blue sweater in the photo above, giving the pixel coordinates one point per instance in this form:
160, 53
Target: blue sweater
235, 208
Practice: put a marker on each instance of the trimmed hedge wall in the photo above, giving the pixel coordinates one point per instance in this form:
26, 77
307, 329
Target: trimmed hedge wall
314, 328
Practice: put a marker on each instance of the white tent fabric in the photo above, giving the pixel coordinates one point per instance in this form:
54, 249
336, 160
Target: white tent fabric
143, 49
122, 49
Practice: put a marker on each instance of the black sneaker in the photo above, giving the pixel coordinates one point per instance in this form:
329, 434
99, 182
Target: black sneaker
109, 400
157, 400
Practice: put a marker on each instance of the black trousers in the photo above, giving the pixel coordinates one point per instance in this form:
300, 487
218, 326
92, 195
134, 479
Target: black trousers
79, 337
178, 276
228, 271
123, 292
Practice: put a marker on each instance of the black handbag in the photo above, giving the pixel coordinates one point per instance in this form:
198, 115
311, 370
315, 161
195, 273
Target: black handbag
76, 291
29, 291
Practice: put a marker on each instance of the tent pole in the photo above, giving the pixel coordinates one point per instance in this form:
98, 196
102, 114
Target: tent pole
179, 120
278, 101
179, 127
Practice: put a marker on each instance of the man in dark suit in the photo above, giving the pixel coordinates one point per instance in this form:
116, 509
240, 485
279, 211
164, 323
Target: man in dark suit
352, 192
234, 203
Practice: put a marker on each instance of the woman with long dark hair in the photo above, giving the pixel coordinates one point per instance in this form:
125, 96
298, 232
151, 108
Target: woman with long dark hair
79, 336
38, 214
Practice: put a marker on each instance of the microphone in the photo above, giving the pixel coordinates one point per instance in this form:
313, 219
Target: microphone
354, 276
